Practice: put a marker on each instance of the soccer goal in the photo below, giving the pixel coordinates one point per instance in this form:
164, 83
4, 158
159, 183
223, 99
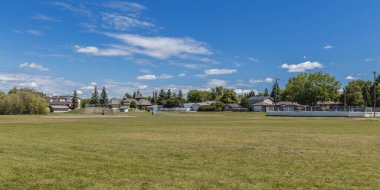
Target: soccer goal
92, 109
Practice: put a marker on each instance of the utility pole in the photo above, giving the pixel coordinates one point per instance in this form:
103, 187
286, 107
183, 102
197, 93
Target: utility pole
374, 93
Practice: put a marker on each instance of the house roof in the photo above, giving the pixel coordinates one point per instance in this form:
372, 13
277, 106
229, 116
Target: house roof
257, 99
262, 104
287, 103
138, 96
59, 107
144, 102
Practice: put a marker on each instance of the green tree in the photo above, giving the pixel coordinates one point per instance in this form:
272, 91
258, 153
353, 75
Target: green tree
275, 93
354, 96
128, 95
75, 101
217, 92
103, 97
95, 97
84, 102
244, 102
162, 97
133, 105
251, 94
229, 97
197, 96
266, 93
23, 101
308, 89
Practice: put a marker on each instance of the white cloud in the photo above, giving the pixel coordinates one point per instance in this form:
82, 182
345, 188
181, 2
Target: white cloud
182, 75
165, 76
266, 80
158, 47
105, 52
253, 59
119, 22
44, 18
125, 6
154, 77
220, 71
242, 91
302, 67
33, 66
79, 92
349, 77
328, 47
147, 77
35, 32
142, 87
216, 82
46, 84
368, 59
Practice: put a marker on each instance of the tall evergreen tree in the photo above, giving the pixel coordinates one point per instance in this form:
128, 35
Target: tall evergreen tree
180, 94
275, 93
266, 93
95, 97
251, 94
128, 95
103, 97
168, 94
75, 101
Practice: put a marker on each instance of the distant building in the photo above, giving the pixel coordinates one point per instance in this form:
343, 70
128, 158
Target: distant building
114, 103
260, 103
233, 107
61, 103
141, 102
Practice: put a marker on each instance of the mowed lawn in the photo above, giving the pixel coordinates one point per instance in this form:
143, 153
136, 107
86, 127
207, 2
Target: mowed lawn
188, 151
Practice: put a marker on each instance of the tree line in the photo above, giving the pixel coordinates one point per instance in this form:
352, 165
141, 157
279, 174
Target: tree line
23, 101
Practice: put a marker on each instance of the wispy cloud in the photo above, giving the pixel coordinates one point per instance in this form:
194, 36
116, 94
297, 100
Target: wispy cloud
368, 59
182, 75
45, 18
257, 81
220, 71
35, 32
302, 67
216, 82
33, 66
252, 59
125, 6
349, 77
120, 22
156, 47
328, 47
45, 84
154, 77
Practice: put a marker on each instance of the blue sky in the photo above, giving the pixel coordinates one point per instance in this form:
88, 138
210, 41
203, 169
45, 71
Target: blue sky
61, 46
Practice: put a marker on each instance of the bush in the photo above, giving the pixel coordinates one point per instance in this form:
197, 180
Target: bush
210, 108
23, 101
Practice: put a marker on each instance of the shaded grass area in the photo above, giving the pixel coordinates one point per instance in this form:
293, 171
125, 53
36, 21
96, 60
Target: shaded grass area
189, 151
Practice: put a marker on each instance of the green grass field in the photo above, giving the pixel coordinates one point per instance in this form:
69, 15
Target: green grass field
188, 151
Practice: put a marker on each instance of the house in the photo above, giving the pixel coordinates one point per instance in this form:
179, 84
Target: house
260, 103
141, 102
195, 106
60, 103
233, 107
287, 106
114, 103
